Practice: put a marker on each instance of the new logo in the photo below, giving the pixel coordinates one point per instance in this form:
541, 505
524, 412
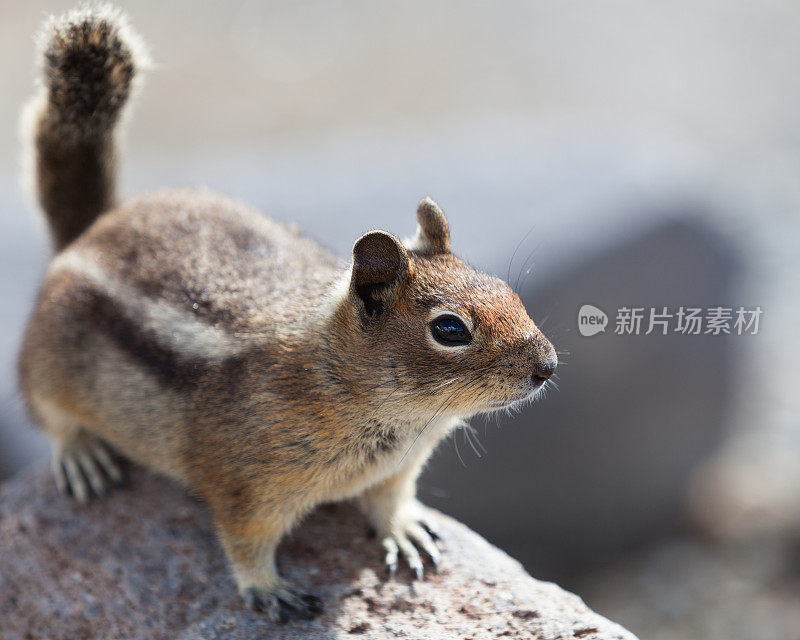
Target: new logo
591, 320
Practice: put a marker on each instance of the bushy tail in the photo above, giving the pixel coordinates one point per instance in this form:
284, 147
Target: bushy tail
89, 60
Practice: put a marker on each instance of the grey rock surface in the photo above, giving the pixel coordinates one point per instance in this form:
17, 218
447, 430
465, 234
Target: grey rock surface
145, 563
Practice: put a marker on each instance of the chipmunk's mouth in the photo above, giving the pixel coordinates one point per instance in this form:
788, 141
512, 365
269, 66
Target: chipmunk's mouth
508, 403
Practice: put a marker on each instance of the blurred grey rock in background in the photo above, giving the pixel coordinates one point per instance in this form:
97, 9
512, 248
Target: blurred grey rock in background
650, 409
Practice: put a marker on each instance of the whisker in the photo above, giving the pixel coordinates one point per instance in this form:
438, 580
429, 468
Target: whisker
386, 399
473, 434
544, 320
468, 436
386, 383
432, 418
439, 386
458, 453
445, 403
525, 264
514, 255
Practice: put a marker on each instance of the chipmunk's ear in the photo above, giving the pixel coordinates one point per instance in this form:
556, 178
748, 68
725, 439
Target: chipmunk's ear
433, 235
380, 265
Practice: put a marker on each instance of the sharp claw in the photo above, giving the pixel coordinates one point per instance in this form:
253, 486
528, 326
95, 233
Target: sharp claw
313, 603
411, 555
60, 476
107, 462
299, 605
391, 548
430, 531
76, 482
92, 473
423, 539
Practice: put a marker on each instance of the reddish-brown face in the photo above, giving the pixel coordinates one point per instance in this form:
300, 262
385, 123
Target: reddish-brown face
466, 338
442, 337
447, 339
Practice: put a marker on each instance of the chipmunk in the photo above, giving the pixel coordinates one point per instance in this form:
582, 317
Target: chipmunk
198, 338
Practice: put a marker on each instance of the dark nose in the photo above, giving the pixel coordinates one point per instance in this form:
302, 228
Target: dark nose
544, 369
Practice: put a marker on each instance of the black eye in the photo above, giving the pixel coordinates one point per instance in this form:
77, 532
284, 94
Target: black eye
450, 331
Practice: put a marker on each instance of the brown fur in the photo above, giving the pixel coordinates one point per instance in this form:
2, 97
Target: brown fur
89, 62
203, 340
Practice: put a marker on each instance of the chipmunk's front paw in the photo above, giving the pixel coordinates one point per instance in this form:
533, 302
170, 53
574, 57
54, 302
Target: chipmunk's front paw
283, 603
83, 466
404, 539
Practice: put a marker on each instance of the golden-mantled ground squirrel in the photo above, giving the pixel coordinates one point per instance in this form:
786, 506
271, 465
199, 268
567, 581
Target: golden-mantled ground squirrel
201, 339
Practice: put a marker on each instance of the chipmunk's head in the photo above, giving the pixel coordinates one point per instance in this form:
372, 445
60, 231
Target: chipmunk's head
435, 334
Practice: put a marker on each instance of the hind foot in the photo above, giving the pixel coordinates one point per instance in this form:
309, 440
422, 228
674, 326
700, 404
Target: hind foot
83, 466
283, 603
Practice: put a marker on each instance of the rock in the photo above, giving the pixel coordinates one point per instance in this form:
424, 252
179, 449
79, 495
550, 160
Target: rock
144, 563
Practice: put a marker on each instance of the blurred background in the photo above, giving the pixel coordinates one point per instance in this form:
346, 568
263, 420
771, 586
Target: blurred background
616, 154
